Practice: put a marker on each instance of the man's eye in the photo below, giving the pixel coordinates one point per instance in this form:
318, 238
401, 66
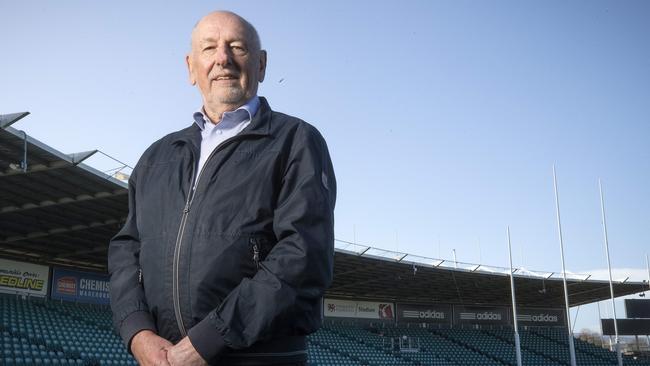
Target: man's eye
209, 48
238, 50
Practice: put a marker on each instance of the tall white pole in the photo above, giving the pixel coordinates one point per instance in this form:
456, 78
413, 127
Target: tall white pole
572, 351
600, 323
514, 302
647, 266
453, 251
617, 344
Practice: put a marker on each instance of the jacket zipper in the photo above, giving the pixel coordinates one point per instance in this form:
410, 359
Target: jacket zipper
179, 238
175, 264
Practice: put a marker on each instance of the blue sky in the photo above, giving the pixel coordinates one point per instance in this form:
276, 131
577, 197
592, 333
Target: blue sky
443, 118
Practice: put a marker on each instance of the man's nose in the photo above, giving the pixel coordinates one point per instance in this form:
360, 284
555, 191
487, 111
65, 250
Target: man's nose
222, 56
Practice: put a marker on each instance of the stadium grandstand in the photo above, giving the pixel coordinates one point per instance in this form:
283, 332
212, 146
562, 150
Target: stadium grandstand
384, 308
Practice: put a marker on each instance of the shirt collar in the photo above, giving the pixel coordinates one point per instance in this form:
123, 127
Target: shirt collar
241, 114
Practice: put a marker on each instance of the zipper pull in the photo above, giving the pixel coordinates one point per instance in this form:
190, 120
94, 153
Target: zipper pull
140, 275
256, 256
186, 209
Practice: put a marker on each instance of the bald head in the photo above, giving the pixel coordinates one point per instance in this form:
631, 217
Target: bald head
226, 62
228, 16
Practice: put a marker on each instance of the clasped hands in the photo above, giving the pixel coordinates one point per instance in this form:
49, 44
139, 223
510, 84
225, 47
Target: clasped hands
150, 349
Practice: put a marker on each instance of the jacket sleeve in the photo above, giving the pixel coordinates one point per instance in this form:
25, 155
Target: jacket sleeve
128, 304
284, 297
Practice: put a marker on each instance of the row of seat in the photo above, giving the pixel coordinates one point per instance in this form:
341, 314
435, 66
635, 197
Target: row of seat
39, 332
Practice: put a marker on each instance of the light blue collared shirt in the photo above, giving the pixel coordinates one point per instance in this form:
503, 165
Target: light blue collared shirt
231, 124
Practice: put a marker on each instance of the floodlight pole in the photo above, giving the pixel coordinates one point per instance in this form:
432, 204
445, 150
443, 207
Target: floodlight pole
572, 351
617, 343
514, 302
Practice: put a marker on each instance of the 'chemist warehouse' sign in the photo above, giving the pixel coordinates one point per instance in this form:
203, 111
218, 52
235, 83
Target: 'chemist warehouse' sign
80, 286
23, 278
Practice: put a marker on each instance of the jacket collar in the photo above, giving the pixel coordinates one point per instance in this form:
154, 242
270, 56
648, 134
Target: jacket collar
260, 126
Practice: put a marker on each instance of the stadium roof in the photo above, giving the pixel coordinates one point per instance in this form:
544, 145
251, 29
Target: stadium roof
365, 272
61, 212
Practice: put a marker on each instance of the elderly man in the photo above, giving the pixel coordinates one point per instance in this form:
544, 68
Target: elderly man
228, 245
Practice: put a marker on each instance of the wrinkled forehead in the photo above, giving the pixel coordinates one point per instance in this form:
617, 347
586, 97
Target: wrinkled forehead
224, 27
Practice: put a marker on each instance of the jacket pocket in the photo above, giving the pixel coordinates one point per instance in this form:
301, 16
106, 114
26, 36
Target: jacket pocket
260, 246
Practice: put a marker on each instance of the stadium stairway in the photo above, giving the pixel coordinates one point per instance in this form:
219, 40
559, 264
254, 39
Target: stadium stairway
353, 343
471, 352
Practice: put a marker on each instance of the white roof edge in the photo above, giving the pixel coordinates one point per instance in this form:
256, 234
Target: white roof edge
466, 267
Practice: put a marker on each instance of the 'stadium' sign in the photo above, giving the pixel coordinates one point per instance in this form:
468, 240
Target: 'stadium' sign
481, 315
420, 313
358, 309
23, 278
540, 317
80, 286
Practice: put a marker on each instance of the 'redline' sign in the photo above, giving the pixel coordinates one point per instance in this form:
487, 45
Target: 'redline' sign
23, 278
80, 286
420, 313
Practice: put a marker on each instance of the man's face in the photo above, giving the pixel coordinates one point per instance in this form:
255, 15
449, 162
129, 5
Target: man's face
225, 62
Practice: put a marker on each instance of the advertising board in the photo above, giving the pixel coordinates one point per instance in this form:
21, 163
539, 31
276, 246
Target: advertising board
23, 278
80, 286
637, 308
540, 317
627, 327
421, 313
481, 315
358, 309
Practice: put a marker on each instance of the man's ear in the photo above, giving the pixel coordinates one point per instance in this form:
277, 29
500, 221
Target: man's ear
188, 61
262, 69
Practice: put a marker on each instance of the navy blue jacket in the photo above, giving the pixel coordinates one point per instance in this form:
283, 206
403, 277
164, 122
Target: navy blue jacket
240, 263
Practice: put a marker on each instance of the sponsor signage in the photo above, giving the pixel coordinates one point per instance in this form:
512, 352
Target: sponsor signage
420, 313
540, 317
481, 315
637, 308
80, 286
23, 278
628, 327
358, 309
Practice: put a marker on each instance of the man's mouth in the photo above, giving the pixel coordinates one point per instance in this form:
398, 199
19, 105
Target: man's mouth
225, 77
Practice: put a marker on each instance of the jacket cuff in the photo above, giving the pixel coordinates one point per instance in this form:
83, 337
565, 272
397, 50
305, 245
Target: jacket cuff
134, 323
207, 340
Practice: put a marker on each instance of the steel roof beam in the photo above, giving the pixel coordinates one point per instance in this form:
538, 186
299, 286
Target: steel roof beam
79, 157
36, 168
7, 120
62, 201
59, 230
67, 255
